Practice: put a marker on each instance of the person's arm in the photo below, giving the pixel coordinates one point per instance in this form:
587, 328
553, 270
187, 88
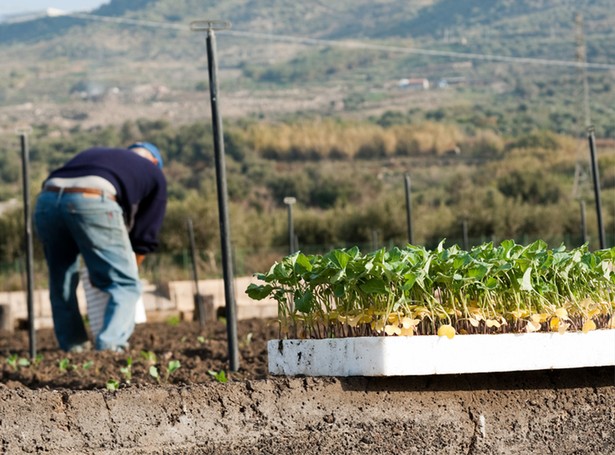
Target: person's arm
140, 258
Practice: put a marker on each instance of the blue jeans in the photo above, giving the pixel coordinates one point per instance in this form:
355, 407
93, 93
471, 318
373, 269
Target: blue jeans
70, 224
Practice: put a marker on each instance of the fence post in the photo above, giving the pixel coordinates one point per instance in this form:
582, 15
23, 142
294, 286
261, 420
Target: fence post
210, 26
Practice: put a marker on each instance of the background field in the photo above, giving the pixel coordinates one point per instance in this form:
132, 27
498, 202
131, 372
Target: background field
314, 108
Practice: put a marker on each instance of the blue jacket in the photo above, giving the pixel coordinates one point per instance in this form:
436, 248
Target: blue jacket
140, 185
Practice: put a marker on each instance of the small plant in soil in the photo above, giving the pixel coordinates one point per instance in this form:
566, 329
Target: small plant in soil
126, 371
171, 368
414, 291
16, 362
64, 365
112, 385
219, 376
149, 357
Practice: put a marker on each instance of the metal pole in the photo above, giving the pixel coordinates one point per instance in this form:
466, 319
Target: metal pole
25, 165
594, 164
225, 237
199, 306
466, 242
583, 223
408, 210
374, 239
289, 201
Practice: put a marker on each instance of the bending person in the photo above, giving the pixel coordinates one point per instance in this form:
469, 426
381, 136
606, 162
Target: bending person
106, 204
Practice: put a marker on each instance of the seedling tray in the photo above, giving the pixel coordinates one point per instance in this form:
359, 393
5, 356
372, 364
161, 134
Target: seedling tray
435, 355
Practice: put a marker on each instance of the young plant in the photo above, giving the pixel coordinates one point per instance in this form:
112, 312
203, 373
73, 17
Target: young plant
149, 357
414, 291
219, 376
112, 385
126, 371
171, 368
64, 365
16, 362
153, 372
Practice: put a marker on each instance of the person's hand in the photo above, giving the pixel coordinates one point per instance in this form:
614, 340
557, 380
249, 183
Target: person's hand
140, 258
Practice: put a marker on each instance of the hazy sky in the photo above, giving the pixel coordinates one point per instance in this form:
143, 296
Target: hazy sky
21, 6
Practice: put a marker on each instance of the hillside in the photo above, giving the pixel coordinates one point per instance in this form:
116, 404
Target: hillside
76, 71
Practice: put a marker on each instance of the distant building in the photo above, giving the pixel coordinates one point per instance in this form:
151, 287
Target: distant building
414, 84
448, 81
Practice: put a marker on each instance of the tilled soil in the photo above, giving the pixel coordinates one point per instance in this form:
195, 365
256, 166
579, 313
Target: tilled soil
152, 344
61, 404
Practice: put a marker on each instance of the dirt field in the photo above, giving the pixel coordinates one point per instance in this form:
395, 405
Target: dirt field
61, 404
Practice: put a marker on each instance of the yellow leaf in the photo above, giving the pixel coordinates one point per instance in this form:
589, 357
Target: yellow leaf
520, 314
473, 322
563, 327
554, 323
492, 323
532, 326
365, 319
393, 318
476, 313
561, 313
353, 321
589, 326
378, 325
611, 324
407, 323
390, 329
446, 331
407, 332
535, 318
593, 312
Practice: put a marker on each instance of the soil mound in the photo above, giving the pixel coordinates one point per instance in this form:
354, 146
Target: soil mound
60, 403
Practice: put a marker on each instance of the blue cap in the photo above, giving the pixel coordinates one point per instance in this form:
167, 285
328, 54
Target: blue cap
150, 148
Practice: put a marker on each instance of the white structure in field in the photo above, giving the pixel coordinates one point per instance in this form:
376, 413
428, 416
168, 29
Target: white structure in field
414, 84
432, 354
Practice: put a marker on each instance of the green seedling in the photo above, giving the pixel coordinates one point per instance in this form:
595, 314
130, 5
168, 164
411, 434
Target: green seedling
16, 362
37, 360
149, 357
173, 321
171, 368
447, 291
153, 372
201, 339
127, 370
112, 385
219, 376
87, 365
64, 365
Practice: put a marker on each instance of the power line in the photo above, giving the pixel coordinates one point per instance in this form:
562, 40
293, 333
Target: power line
348, 44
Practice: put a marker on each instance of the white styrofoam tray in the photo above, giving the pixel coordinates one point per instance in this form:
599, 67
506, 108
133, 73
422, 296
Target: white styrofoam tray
432, 354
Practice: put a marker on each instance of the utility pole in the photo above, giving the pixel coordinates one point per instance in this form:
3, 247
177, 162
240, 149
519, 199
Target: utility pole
582, 59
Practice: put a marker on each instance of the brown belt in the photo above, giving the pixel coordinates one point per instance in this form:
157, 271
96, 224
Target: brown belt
96, 191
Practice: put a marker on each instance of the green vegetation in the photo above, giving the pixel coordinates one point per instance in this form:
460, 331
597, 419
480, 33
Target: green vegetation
219, 376
348, 178
409, 291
